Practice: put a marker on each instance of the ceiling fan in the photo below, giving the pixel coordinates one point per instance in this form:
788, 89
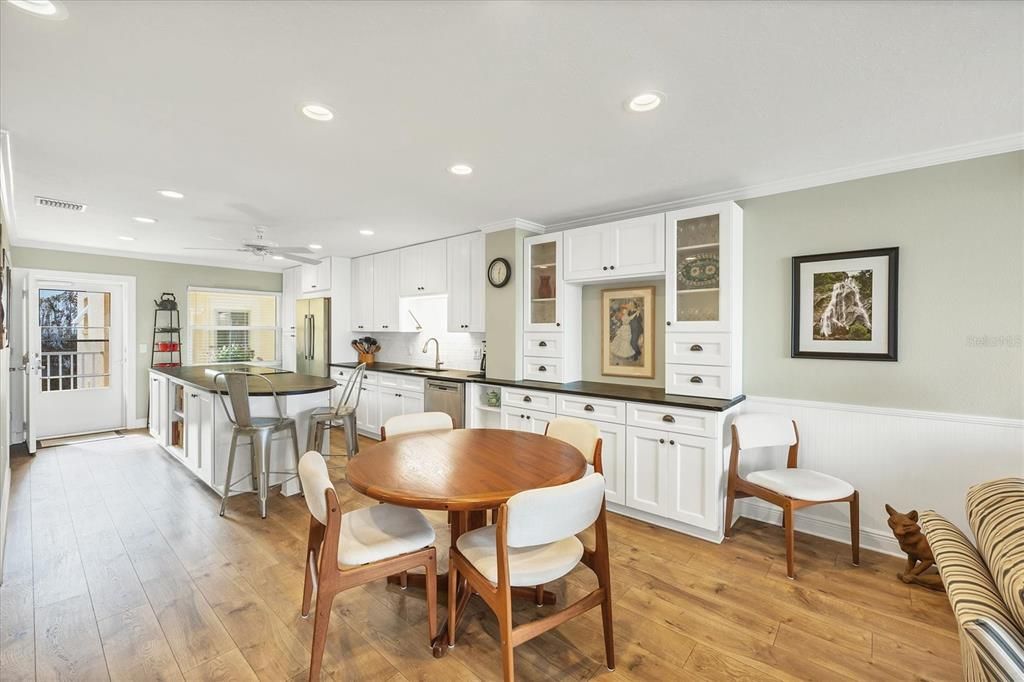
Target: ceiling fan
260, 247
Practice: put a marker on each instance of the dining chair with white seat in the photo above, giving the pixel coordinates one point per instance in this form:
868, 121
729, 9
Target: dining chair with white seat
422, 422
534, 542
345, 550
791, 488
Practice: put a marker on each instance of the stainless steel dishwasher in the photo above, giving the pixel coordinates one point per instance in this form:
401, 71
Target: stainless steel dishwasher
448, 397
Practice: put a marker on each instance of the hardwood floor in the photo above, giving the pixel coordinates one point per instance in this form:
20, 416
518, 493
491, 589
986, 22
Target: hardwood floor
119, 567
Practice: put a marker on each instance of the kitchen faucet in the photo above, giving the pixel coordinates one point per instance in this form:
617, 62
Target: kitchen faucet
437, 352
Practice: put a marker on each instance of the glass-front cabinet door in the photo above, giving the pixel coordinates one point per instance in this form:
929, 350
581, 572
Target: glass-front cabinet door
544, 283
700, 273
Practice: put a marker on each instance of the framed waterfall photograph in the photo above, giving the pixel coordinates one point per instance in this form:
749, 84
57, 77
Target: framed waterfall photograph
845, 305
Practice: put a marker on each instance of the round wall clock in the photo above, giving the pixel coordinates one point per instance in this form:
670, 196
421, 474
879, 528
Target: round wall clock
499, 272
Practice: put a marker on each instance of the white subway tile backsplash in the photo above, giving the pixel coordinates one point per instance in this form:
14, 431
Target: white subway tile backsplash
459, 350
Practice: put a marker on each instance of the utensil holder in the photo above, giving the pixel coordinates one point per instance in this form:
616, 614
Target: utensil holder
366, 358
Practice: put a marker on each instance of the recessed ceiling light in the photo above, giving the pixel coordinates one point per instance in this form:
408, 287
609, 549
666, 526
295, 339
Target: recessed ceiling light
278, 257
366, 233
315, 246
49, 9
126, 238
143, 219
170, 194
460, 169
318, 112
646, 101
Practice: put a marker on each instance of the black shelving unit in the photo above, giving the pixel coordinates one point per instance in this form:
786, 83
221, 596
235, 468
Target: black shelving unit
166, 333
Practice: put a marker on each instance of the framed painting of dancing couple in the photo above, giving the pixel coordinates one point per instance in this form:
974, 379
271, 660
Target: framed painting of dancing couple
627, 334
845, 305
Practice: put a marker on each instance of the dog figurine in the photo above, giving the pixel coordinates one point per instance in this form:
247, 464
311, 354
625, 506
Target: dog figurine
919, 553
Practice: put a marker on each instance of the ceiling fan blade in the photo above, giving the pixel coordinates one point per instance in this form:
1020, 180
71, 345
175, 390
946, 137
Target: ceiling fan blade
289, 249
300, 259
207, 248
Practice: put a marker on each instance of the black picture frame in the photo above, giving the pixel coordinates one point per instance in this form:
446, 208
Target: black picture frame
892, 309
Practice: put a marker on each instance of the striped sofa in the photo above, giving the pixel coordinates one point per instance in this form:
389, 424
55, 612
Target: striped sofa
985, 584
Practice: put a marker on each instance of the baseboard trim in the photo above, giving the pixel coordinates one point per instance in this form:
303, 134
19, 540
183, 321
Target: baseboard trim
138, 423
876, 540
685, 528
1005, 422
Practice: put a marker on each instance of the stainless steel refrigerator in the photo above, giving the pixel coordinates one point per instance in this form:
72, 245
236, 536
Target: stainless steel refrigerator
312, 335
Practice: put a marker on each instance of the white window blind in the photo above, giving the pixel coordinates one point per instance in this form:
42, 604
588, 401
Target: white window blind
232, 326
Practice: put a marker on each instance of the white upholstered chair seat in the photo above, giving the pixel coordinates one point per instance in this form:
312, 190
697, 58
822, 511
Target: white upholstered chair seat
801, 484
589, 538
527, 566
442, 545
379, 532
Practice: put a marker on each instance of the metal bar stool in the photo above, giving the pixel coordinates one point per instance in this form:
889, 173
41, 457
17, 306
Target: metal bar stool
260, 430
342, 415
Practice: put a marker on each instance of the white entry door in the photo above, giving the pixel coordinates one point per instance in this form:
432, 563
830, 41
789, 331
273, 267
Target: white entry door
75, 357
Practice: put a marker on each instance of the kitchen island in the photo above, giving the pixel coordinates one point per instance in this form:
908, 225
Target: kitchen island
187, 418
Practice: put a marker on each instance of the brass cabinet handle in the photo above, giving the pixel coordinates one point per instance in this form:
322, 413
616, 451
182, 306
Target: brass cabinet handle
588, 408
542, 368
527, 399
669, 418
542, 344
696, 348
696, 380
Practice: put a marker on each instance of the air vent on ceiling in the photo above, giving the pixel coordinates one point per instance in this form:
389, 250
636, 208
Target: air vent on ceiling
60, 203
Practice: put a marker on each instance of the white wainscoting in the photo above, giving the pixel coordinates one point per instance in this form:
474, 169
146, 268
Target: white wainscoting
907, 458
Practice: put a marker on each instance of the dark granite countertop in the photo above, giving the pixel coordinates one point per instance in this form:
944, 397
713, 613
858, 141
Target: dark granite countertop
283, 381
593, 389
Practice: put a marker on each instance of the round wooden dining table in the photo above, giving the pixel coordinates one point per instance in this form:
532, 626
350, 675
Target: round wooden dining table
465, 472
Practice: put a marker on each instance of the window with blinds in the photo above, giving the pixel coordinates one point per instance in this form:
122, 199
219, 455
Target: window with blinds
232, 326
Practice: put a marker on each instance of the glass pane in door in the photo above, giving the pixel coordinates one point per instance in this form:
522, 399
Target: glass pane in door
543, 275
74, 331
698, 250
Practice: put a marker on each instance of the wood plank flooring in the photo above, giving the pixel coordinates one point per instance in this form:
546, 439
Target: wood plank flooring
118, 567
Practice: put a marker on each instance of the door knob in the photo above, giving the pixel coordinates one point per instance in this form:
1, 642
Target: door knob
671, 442
661, 440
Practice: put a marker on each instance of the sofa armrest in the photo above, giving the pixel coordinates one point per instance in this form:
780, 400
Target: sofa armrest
999, 652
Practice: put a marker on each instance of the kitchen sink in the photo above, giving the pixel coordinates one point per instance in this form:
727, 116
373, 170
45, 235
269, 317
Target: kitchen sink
426, 370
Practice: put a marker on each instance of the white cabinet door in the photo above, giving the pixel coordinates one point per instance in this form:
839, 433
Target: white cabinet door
362, 294
513, 419
385, 291
368, 411
412, 403
423, 269
613, 461
466, 289
193, 428
158, 409
586, 253
537, 422
323, 275
646, 487
390, 405
635, 246
316, 279
693, 486
543, 282
203, 461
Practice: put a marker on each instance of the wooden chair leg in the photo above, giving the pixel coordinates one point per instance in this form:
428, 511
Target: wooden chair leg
307, 587
855, 526
431, 586
323, 617
602, 568
403, 580
538, 595
453, 582
787, 519
504, 614
730, 500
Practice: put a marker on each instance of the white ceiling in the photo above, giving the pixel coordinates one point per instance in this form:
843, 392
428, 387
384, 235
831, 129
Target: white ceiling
124, 98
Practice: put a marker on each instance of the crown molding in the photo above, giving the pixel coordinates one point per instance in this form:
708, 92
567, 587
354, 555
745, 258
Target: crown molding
513, 224
132, 255
963, 152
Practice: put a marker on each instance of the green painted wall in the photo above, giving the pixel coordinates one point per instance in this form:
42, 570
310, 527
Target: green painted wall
960, 229
504, 317
151, 279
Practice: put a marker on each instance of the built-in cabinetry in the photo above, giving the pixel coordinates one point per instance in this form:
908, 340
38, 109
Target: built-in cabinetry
291, 283
552, 343
662, 464
315, 279
362, 294
383, 396
423, 269
158, 412
386, 277
703, 301
466, 279
622, 249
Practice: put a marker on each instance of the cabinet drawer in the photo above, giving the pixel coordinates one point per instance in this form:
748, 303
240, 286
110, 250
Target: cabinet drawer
542, 369
695, 422
403, 382
527, 399
341, 375
592, 408
706, 381
543, 345
698, 349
